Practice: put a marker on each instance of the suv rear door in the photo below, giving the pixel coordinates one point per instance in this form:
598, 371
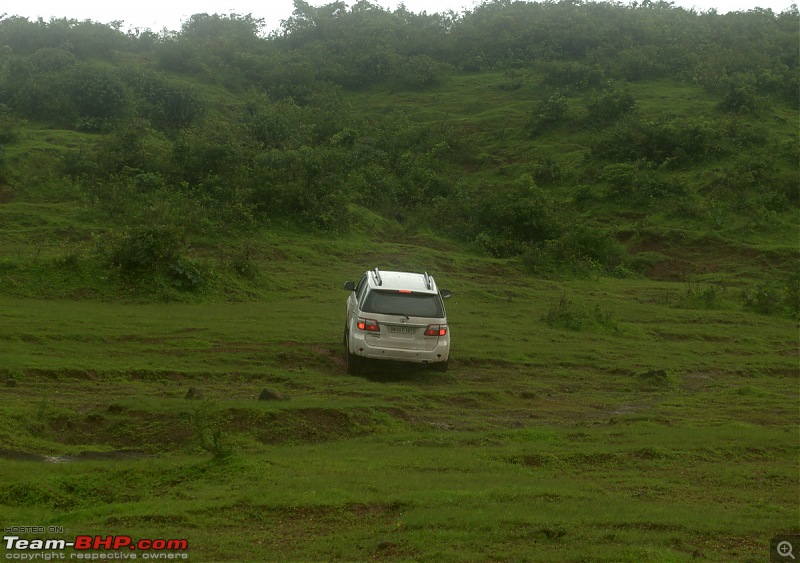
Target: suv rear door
405, 317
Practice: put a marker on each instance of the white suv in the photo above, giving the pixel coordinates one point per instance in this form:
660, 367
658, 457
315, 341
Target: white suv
396, 316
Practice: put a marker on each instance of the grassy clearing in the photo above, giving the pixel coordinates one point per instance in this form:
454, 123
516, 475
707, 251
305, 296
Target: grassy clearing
666, 432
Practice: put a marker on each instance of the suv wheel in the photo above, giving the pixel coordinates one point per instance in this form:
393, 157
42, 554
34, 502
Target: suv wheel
355, 363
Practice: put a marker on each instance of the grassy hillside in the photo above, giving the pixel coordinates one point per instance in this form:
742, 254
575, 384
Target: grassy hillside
619, 230
63, 238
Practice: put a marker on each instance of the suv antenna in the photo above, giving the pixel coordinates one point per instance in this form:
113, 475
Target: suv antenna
427, 280
378, 276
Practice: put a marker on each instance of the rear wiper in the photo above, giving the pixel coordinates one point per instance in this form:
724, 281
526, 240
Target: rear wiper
399, 315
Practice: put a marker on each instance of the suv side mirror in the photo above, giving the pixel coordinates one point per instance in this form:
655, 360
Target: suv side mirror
349, 286
445, 293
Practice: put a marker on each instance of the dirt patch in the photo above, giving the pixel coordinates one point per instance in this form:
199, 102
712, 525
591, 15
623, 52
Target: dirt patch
124, 522
6, 194
82, 456
334, 358
670, 270
132, 429
286, 515
317, 354
307, 425
674, 258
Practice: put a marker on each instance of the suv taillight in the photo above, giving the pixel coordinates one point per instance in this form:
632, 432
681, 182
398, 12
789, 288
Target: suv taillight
436, 330
370, 325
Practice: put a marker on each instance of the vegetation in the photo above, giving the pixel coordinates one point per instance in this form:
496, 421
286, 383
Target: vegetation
255, 129
610, 191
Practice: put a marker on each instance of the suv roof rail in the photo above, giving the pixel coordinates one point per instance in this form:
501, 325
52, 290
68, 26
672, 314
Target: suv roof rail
427, 280
377, 276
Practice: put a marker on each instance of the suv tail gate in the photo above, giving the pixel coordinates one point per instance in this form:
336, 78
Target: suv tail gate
409, 320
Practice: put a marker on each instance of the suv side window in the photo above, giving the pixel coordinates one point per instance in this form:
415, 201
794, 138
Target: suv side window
362, 284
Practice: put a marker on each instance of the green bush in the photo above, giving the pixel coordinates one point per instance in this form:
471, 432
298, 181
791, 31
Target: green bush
34, 86
573, 75
168, 105
671, 141
513, 218
53, 85
185, 274
775, 298
612, 105
575, 316
638, 184
270, 125
547, 171
9, 126
753, 184
581, 251
740, 94
547, 114
243, 260
416, 73
142, 250
95, 92
210, 423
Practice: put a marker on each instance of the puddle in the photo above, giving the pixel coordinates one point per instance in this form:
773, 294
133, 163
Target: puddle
82, 456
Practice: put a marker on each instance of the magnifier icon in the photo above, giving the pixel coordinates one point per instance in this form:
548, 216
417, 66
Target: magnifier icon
784, 549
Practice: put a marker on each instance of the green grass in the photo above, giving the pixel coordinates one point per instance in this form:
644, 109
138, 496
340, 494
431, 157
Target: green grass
670, 433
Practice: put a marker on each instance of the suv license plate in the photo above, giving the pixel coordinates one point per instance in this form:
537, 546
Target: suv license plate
402, 329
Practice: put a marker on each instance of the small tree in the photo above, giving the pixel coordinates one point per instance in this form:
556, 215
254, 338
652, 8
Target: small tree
610, 106
548, 113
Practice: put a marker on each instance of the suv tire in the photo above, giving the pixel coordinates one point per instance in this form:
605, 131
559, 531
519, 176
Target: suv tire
355, 364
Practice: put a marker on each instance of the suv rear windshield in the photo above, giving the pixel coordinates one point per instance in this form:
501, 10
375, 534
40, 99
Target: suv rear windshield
397, 303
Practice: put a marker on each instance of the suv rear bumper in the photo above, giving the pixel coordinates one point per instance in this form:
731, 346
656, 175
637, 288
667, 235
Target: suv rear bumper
439, 354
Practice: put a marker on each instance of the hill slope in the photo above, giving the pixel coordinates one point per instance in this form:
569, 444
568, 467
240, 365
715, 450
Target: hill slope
152, 162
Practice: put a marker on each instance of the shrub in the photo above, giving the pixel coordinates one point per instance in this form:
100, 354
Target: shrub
35, 86
141, 250
566, 74
753, 183
209, 422
637, 184
611, 106
740, 94
698, 296
185, 274
416, 73
775, 298
668, 141
547, 171
765, 299
95, 92
244, 260
582, 250
513, 218
547, 114
267, 124
170, 106
575, 316
9, 126
304, 186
